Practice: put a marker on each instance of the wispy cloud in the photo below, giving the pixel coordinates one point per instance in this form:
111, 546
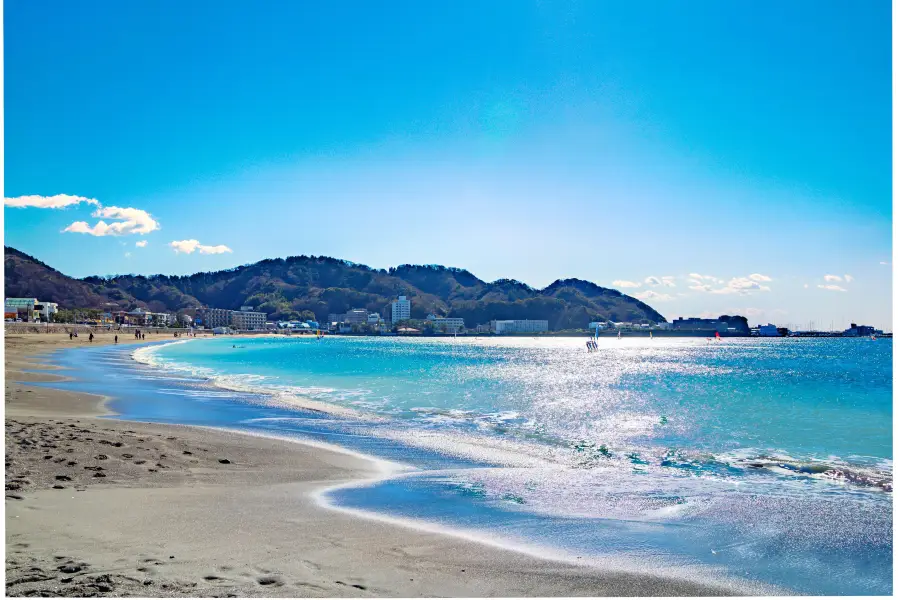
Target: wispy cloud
885, 262
833, 278
126, 221
141, 244
760, 277
666, 280
626, 284
128, 255
832, 287
848, 278
57, 201
655, 296
190, 246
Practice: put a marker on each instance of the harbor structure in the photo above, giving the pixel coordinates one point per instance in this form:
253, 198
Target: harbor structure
724, 325
860, 330
768, 331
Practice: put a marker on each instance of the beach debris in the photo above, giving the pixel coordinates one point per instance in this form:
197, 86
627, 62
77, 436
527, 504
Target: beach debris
224, 461
101, 457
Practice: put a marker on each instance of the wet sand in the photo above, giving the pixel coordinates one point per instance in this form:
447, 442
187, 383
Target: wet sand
98, 506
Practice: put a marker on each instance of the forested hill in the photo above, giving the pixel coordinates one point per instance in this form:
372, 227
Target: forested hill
289, 287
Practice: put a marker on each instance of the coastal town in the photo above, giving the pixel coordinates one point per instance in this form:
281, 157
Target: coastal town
395, 319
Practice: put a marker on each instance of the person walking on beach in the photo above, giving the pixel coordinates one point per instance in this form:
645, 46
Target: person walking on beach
70, 335
91, 337
117, 339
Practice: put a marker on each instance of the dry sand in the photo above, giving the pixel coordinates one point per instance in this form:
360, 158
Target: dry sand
100, 507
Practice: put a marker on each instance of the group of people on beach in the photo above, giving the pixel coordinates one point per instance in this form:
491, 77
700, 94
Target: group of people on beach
592, 346
74, 334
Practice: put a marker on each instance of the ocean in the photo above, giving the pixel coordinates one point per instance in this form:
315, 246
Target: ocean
761, 464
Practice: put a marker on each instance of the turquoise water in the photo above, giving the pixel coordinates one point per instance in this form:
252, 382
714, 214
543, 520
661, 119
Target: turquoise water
751, 459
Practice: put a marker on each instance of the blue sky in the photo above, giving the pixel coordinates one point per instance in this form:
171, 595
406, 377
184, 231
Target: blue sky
613, 142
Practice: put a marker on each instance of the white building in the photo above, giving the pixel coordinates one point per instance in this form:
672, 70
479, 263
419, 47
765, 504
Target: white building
519, 326
374, 319
399, 310
448, 324
46, 310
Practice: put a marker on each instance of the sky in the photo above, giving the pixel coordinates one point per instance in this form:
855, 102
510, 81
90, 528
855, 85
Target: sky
708, 157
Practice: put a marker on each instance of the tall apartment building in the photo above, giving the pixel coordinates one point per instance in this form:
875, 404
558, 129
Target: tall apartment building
247, 320
399, 310
216, 317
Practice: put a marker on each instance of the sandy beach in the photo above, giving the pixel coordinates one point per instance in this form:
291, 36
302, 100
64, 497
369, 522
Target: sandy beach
97, 506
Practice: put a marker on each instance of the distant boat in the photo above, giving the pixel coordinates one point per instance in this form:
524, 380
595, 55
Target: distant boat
718, 337
651, 335
620, 335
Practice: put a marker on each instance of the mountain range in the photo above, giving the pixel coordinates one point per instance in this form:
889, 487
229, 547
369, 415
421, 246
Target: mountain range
316, 286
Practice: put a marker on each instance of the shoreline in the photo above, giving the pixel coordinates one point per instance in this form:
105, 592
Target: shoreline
287, 542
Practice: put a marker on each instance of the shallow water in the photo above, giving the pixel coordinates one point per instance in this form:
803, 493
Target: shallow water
754, 460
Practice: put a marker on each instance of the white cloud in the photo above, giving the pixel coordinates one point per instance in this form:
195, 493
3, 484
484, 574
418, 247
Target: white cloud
655, 296
702, 277
667, 281
626, 284
848, 278
737, 285
127, 221
885, 262
832, 287
141, 244
832, 278
805, 285
128, 255
190, 246
57, 201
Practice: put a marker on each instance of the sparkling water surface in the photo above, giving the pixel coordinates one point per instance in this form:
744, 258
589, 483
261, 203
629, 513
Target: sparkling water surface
755, 460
